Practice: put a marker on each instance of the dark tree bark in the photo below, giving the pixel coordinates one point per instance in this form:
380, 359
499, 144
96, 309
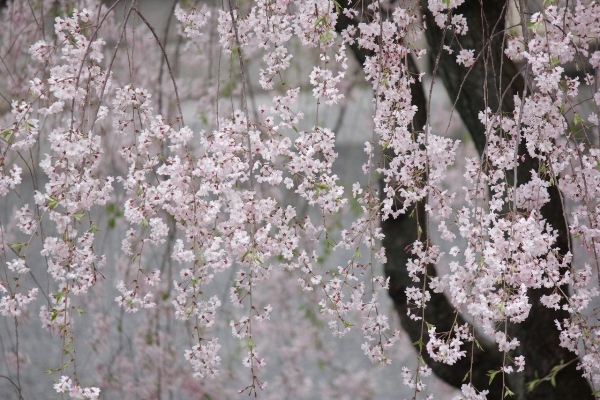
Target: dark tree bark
492, 82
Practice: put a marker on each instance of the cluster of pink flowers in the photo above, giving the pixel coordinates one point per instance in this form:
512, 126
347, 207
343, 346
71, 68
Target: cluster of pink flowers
65, 385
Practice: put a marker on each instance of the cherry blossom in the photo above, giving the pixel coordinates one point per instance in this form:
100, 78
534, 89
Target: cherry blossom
227, 221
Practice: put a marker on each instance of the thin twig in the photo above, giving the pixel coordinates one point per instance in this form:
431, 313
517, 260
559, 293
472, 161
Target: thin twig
112, 60
166, 58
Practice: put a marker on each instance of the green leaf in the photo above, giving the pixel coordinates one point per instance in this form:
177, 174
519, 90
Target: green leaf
79, 215
492, 374
320, 21
338, 8
508, 392
500, 307
17, 246
326, 36
348, 324
27, 125
58, 296
531, 385
149, 338
203, 119
478, 345
466, 376
245, 255
52, 202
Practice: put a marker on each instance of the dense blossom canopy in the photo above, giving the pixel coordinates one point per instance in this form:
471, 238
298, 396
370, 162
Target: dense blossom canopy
241, 194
